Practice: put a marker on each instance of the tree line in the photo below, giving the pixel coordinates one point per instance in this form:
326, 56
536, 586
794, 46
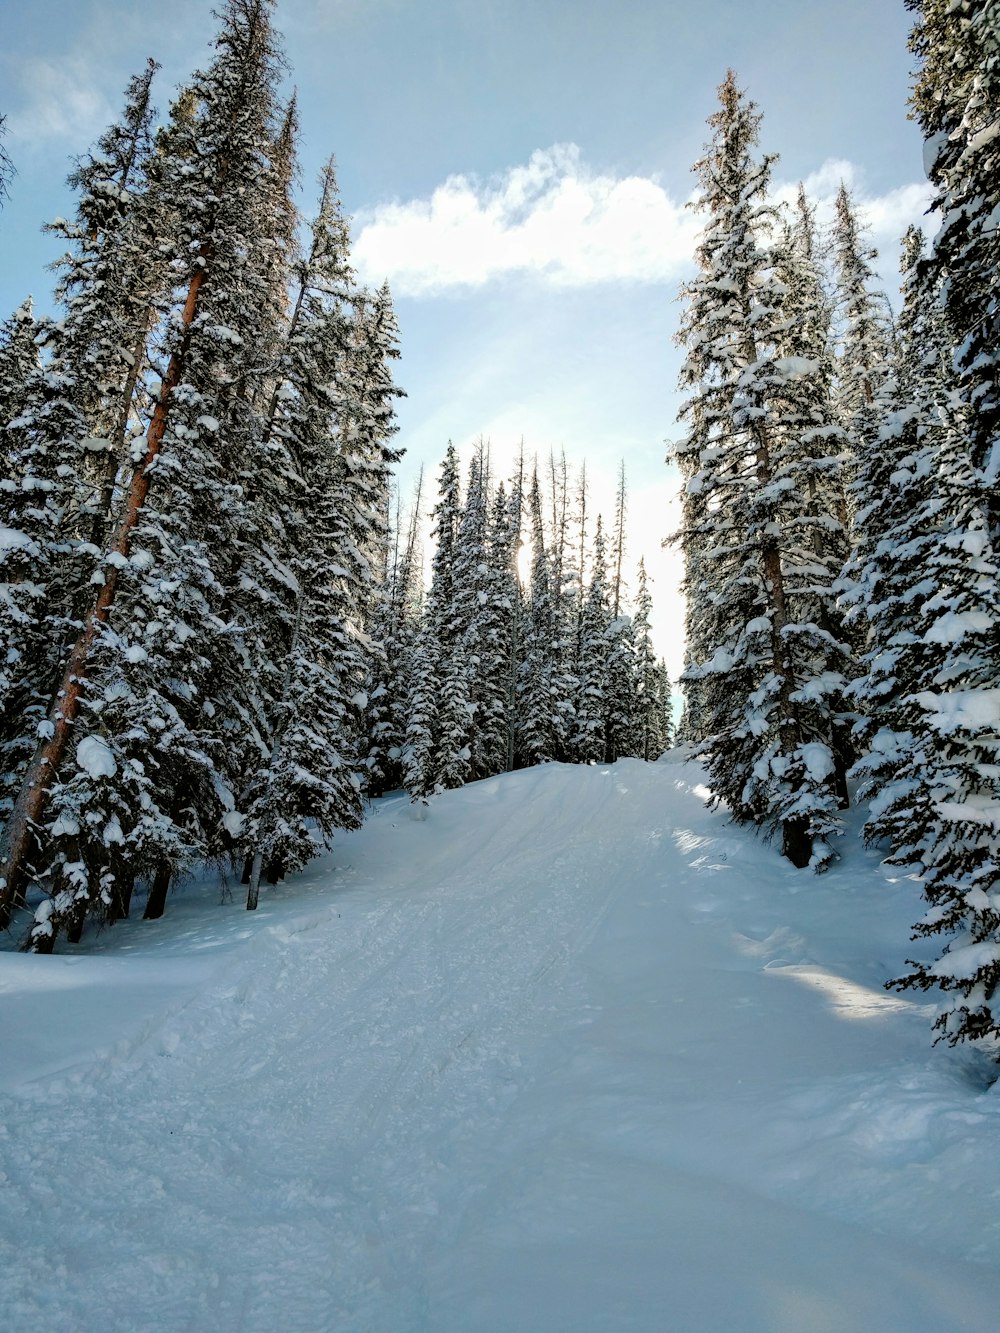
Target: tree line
500, 666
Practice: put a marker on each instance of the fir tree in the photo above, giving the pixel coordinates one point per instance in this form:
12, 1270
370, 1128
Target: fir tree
955, 99
767, 669
395, 629
589, 740
311, 782
422, 728
650, 740
937, 759
537, 736
6, 165
154, 665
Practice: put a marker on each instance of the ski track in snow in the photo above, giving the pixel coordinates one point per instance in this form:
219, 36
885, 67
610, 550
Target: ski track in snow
573, 1053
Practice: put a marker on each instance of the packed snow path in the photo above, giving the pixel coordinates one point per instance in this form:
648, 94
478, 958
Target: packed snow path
570, 1054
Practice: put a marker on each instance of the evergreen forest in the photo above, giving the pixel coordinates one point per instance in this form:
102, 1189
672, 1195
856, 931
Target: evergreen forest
221, 634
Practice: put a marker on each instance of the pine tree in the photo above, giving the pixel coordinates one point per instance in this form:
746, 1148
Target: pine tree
957, 43
469, 608
537, 740
68, 443
566, 583
622, 721
865, 338
936, 763
422, 727
663, 731
589, 741
368, 414
22, 595
19, 364
395, 629
6, 165
502, 621
311, 781
765, 668
155, 667
650, 740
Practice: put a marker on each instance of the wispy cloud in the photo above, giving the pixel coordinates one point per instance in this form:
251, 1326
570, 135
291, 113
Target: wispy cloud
61, 99
568, 226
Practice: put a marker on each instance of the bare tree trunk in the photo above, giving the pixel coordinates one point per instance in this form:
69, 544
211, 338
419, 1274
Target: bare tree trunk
40, 775
121, 896
74, 929
253, 893
796, 842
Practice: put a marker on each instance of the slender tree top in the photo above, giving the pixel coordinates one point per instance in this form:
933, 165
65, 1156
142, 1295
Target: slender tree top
6, 166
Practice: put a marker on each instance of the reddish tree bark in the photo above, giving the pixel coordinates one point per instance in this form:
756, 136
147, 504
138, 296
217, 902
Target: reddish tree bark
41, 772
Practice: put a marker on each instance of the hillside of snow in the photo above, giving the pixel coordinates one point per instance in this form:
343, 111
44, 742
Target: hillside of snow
572, 1053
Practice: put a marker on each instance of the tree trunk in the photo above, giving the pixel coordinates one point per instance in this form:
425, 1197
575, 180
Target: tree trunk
796, 843
112, 461
157, 900
74, 927
41, 773
253, 893
121, 897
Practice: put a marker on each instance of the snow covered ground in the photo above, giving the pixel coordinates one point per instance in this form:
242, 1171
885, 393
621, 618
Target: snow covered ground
571, 1054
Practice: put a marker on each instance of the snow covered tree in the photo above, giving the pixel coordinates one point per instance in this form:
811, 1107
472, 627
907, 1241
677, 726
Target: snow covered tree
394, 632
864, 336
368, 416
311, 781
153, 668
937, 754
956, 96
69, 440
420, 748
537, 735
502, 629
662, 733
22, 595
588, 741
18, 366
650, 738
766, 669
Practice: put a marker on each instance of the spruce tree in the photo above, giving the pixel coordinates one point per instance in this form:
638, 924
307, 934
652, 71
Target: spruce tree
937, 765
589, 742
537, 740
155, 668
310, 783
6, 165
650, 740
395, 629
767, 672
957, 44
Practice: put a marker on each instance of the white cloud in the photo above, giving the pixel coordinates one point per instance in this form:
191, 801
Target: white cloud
568, 226
552, 217
62, 100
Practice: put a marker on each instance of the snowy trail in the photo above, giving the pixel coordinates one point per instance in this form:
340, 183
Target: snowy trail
570, 1054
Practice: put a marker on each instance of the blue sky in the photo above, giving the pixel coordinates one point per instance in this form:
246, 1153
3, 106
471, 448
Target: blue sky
518, 169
